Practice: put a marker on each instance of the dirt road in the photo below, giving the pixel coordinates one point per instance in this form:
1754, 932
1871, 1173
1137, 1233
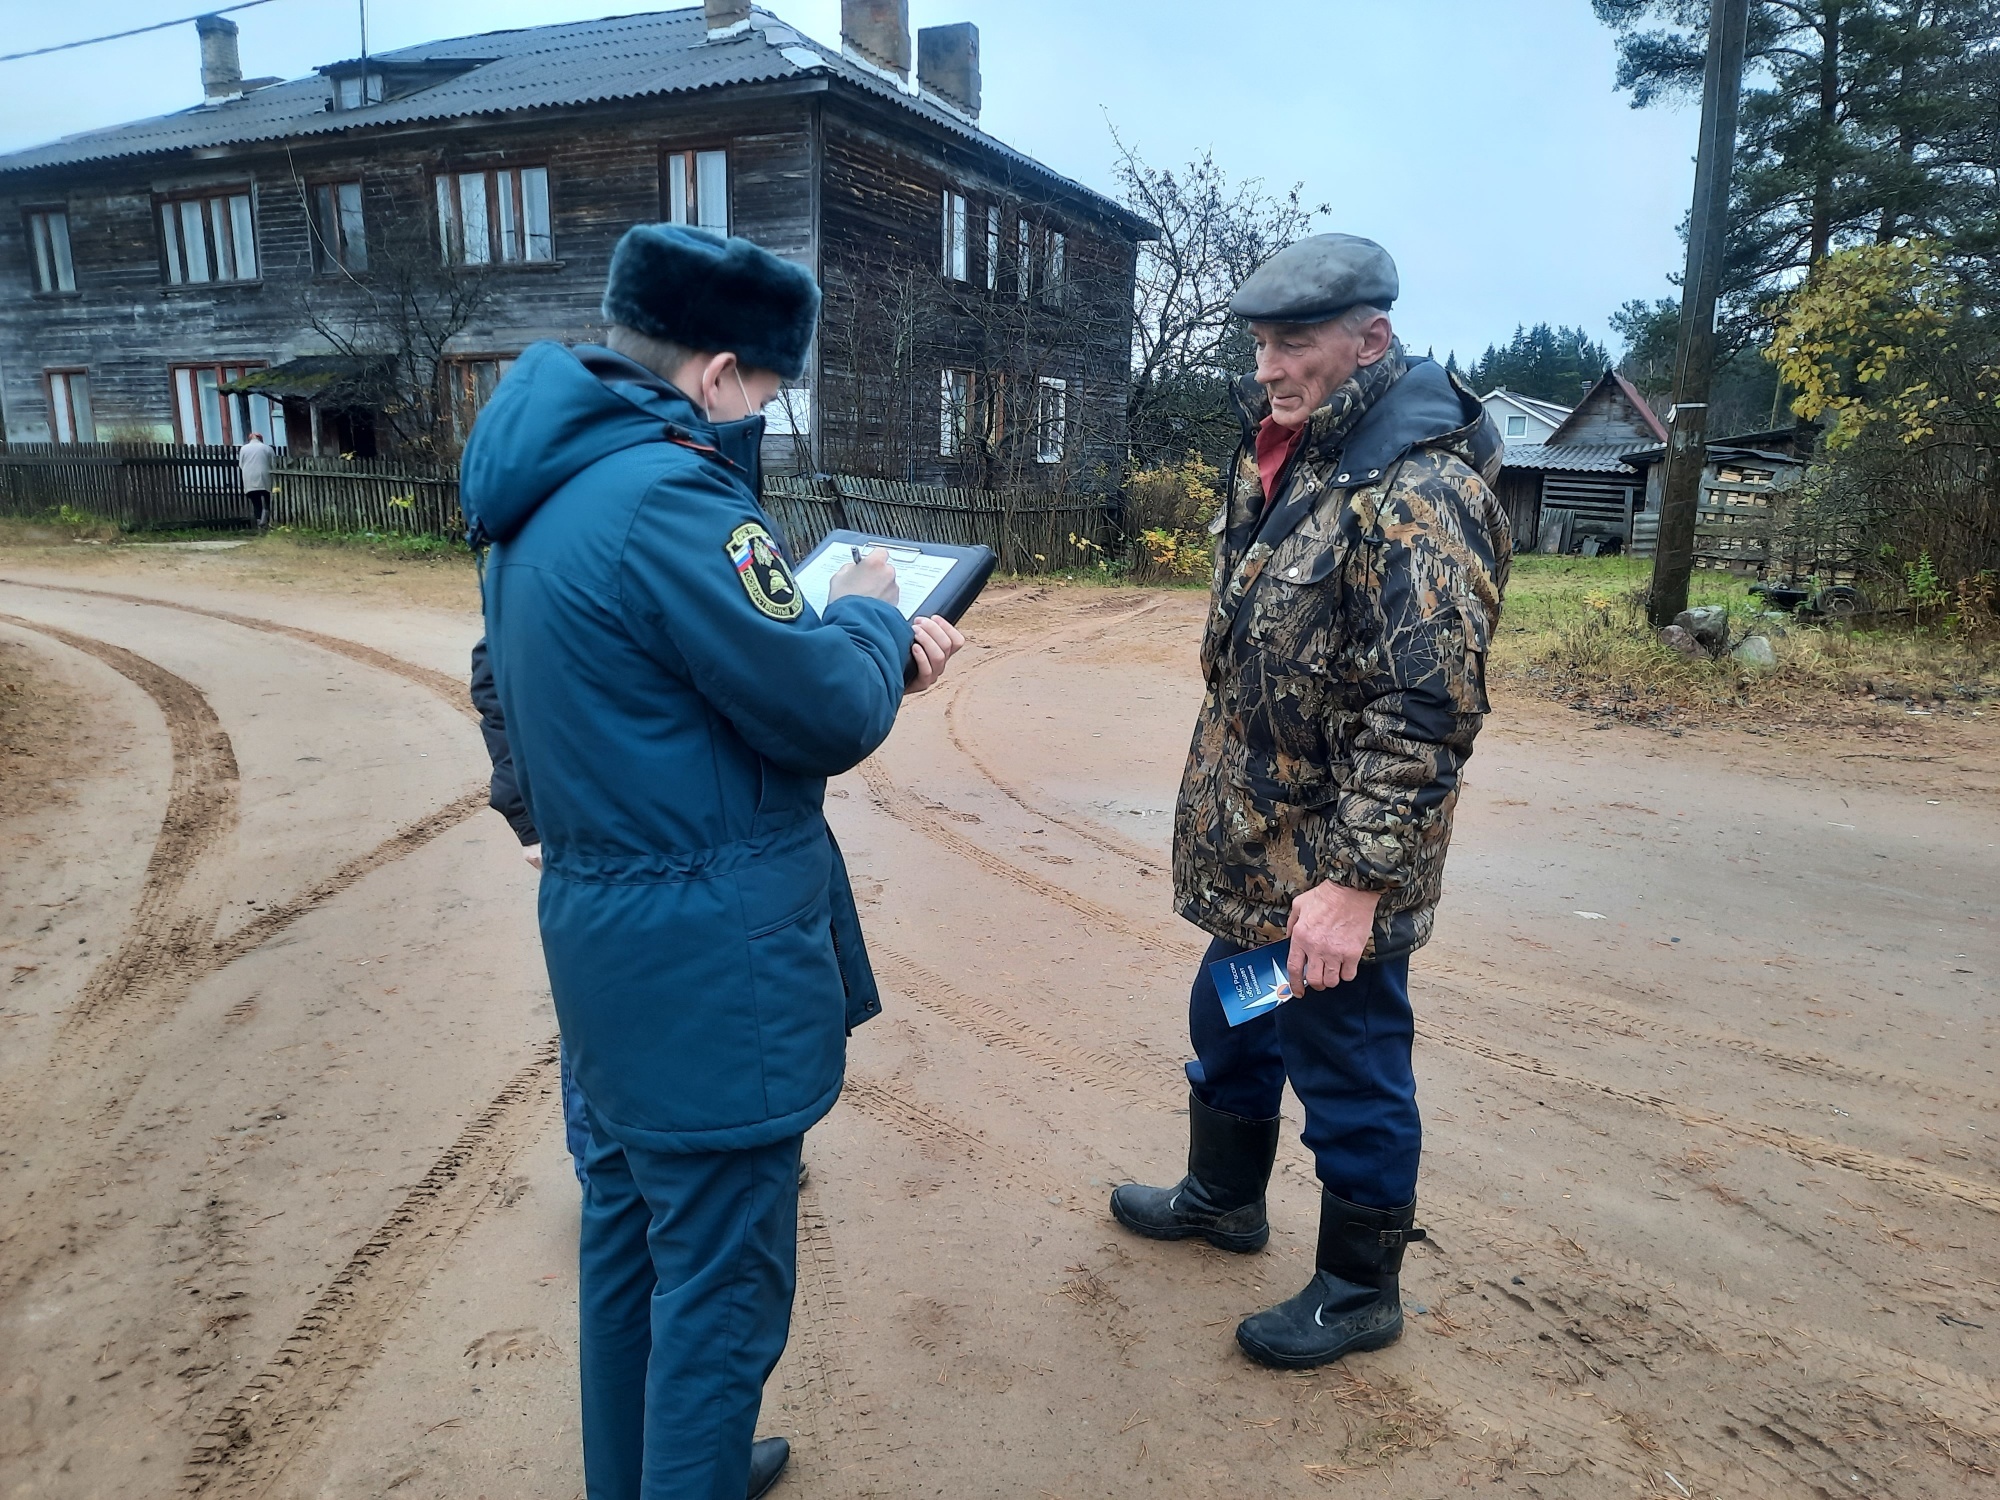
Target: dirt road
1707, 1053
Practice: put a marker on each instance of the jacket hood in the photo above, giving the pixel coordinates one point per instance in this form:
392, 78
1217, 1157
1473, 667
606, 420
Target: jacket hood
558, 412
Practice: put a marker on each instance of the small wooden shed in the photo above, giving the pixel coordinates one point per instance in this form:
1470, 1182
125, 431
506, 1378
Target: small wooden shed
1577, 485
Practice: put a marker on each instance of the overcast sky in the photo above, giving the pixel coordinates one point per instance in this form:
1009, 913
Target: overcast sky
1480, 140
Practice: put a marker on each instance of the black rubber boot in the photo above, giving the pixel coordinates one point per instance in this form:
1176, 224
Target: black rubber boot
1221, 1199
1354, 1301
768, 1457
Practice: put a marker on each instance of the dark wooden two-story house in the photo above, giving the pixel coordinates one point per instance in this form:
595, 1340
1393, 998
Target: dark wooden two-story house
350, 261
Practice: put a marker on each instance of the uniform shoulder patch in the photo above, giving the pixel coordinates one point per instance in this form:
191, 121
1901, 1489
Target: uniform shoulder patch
761, 567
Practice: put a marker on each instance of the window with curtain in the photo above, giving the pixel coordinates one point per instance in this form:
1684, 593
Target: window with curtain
495, 217
698, 189
212, 237
340, 238
48, 240
956, 250
992, 249
204, 413
1055, 271
1024, 260
70, 420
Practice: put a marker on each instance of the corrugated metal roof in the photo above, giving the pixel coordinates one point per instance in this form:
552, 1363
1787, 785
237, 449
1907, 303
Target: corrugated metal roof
1578, 458
540, 67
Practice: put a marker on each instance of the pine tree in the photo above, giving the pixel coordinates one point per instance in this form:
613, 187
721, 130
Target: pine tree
1862, 120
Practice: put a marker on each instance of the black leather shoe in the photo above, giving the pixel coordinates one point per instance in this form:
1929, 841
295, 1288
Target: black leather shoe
1354, 1301
768, 1457
1221, 1199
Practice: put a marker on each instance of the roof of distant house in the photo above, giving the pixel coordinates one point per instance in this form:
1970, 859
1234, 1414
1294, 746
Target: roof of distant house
652, 55
1548, 411
1575, 458
1625, 388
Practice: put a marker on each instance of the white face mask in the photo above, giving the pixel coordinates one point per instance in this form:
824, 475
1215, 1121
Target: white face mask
750, 408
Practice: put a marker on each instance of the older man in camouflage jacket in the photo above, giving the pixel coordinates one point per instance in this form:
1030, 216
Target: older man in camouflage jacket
1359, 567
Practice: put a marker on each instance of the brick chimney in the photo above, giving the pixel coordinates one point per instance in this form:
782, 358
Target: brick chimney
726, 17
221, 69
948, 65
877, 33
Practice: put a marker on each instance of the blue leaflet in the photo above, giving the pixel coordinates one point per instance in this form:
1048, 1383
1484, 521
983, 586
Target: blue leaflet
1252, 983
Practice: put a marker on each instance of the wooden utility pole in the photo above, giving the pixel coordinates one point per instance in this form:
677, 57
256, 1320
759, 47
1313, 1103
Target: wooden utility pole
1694, 353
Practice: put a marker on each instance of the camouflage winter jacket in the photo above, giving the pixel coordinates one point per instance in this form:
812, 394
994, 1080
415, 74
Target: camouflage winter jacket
1345, 658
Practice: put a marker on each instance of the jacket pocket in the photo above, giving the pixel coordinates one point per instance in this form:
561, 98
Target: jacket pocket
1477, 629
801, 1010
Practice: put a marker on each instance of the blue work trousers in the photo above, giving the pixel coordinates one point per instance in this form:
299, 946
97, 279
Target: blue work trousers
1347, 1053
688, 1263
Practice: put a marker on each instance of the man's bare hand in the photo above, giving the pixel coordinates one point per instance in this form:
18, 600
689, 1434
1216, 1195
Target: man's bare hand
1329, 930
874, 577
532, 853
937, 642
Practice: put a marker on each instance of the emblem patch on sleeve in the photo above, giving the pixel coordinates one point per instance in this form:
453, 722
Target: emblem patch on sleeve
761, 566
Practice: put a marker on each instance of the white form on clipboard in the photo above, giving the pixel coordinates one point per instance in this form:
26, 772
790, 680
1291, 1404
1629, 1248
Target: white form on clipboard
917, 574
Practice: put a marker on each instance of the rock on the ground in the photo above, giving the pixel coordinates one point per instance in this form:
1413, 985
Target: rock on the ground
1708, 624
1755, 651
1677, 639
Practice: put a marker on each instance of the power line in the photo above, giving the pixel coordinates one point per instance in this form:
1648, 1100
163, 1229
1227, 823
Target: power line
91, 41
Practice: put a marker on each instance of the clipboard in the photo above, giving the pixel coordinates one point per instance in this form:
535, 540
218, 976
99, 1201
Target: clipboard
936, 578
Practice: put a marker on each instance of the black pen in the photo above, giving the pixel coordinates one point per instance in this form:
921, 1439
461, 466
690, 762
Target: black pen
857, 553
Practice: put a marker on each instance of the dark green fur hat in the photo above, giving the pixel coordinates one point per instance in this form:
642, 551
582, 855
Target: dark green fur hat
707, 292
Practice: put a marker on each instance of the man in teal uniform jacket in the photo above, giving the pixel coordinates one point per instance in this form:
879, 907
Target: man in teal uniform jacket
675, 707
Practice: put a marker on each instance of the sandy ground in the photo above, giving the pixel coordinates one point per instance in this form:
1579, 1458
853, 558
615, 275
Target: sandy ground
1707, 1053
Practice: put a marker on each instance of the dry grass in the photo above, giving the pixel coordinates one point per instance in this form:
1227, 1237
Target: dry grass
1574, 629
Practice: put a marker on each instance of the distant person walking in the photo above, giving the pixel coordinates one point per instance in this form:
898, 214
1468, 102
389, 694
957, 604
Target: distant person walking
254, 459
1360, 562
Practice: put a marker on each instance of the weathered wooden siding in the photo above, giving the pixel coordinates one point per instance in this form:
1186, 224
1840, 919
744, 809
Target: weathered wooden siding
846, 185
1604, 419
894, 322
127, 327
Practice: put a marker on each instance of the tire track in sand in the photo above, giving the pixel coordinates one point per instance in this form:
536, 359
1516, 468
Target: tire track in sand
169, 945
1583, 1301
1590, 1009
248, 1443
354, 1304
445, 686
173, 921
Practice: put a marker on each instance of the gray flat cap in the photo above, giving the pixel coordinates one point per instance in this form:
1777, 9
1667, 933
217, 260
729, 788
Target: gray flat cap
1317, 278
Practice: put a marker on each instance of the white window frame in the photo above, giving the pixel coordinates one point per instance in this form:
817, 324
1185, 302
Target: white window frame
204, 416
70, 417
1517, 427
956, 229
495, 216
993, 248
1051, 419
339, 227
349, 90
697, 185
1024, 260
1055, 270
48, 239
954, 410
790, 413
210, 237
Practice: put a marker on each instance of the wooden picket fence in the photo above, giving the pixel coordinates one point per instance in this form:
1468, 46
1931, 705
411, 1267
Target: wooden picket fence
140, 486
147, 486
